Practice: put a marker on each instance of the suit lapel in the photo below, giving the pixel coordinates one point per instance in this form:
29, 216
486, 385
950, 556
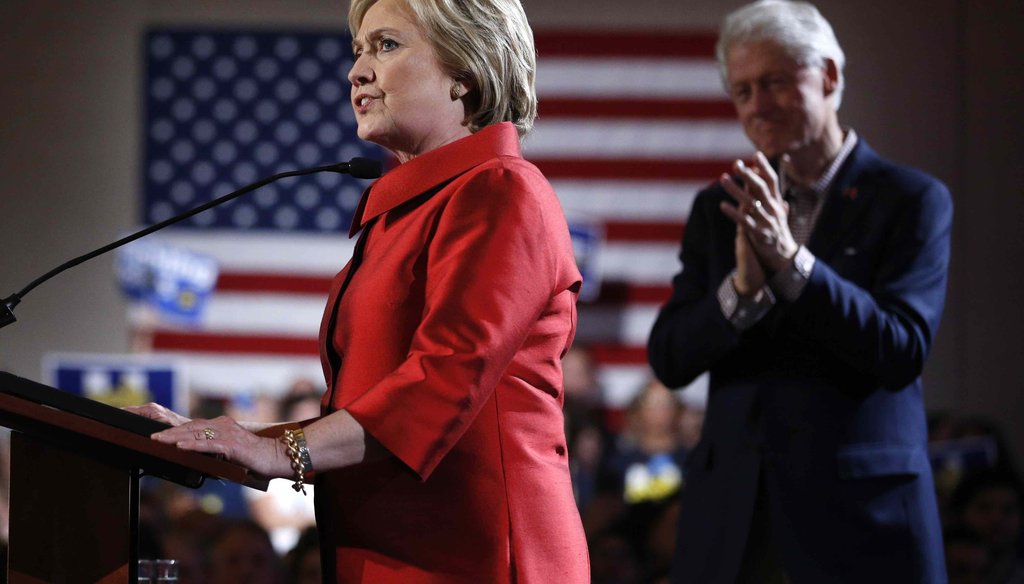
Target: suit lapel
847, 198
849, 195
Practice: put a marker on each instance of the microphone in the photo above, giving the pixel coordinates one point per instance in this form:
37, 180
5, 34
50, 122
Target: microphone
357, 167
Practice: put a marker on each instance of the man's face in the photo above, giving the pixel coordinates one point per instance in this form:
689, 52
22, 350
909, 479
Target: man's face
782, 105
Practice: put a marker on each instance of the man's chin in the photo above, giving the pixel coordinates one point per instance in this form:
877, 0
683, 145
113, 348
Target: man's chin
770, 148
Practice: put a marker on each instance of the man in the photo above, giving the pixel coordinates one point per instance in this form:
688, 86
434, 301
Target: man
813, 281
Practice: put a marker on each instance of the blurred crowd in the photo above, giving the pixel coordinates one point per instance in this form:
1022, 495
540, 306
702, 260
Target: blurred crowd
224, 533
628, 467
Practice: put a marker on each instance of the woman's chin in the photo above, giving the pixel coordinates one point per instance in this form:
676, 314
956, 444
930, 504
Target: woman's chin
379, 138
365, 133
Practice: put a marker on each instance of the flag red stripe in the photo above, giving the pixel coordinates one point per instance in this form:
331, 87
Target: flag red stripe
236, 343
273, 283
591, 43
611, 354
632, 169
621, 293
669, 232
702, 109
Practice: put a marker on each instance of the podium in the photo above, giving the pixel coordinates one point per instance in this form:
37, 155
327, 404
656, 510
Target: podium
74, 496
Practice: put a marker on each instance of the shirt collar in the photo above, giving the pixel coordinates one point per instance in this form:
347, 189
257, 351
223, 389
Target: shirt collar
434, 168
824, 182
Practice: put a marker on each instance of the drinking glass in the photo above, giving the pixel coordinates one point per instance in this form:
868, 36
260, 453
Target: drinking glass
166, 571
145, 572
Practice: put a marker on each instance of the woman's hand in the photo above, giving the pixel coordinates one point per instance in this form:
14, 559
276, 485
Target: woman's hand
159, 413
264, 456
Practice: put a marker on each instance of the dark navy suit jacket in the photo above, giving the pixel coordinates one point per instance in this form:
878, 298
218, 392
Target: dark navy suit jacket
823, 396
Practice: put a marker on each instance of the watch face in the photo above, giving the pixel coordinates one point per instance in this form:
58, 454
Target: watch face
804, 263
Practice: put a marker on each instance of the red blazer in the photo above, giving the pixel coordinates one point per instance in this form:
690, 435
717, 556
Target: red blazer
445, 345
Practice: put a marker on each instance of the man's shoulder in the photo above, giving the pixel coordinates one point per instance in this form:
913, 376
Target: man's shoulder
894, 176
711, 195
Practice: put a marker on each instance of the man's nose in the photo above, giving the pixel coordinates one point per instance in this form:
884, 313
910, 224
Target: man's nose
761, 100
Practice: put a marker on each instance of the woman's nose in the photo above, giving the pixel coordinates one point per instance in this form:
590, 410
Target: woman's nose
360, 73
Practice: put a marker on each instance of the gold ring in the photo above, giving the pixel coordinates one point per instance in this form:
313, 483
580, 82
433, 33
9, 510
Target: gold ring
210, 434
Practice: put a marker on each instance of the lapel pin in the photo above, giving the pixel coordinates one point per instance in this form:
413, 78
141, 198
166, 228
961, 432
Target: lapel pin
850, 193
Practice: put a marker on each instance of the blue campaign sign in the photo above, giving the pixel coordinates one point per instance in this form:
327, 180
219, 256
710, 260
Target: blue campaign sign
176, 281
587, 240
119, 380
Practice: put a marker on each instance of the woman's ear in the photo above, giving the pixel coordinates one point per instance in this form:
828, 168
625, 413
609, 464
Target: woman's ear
459, 89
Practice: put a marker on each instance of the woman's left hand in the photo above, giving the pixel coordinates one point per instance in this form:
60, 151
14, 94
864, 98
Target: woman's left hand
155, 411
223, 435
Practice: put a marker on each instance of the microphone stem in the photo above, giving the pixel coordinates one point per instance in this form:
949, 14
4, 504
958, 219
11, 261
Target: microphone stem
10, 302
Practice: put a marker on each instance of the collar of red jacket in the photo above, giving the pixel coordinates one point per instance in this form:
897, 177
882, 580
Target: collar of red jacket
433, 168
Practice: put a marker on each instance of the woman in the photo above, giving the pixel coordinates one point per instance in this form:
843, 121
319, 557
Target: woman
440, 455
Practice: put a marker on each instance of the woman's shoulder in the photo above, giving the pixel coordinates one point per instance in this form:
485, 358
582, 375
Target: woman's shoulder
507, 177
508, 167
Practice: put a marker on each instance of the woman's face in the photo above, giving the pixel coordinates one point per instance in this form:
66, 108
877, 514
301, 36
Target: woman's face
401, 97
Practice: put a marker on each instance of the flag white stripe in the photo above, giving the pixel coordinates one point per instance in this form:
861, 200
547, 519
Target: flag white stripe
626, 200
279, 314
248, 375
625, 77
621, 383
636, 139
629, 325
274, 253
639, 263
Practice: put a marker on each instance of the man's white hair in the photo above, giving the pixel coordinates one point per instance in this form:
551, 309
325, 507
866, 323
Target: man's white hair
797, 27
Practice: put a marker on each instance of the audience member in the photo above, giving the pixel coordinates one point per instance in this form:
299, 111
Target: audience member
968, 559
280, 510
645, 469
647, 460
585, 431
192, 554
303, 561
243, 554
963, 445
691, 425
612, 559
990, 504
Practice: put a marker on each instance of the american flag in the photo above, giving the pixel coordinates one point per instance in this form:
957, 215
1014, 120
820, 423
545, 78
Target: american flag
631, 126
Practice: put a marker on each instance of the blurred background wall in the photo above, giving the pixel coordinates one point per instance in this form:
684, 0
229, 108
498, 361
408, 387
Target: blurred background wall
935, 84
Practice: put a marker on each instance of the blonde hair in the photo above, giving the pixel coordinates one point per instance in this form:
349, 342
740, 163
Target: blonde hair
487, 44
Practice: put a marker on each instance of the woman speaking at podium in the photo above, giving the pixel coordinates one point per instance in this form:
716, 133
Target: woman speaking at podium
440, 454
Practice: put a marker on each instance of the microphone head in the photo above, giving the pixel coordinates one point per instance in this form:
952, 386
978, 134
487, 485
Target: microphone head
6, 315
364, 168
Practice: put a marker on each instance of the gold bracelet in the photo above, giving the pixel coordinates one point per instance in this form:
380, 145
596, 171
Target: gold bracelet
295, 443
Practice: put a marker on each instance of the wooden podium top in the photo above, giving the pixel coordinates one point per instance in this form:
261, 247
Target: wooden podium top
66, 419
